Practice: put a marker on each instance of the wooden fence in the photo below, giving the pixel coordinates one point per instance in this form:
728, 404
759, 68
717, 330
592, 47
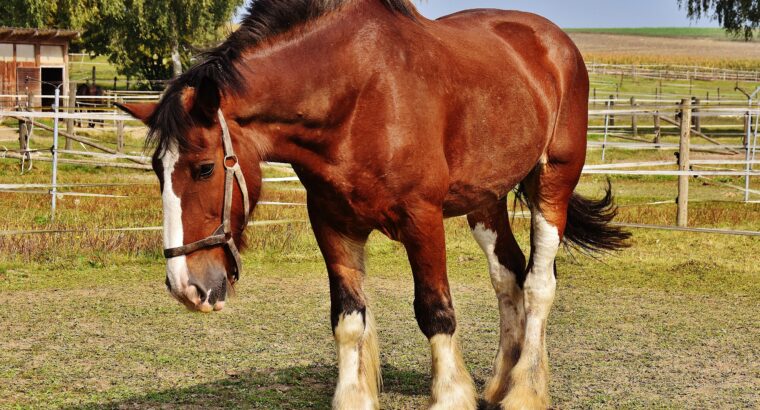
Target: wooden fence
673, 72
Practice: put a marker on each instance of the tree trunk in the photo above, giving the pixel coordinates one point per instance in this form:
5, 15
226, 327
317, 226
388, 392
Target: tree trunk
176, 62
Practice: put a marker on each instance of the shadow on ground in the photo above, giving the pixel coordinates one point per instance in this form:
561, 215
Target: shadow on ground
291, 388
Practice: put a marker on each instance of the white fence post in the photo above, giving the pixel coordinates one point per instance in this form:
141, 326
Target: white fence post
54, 190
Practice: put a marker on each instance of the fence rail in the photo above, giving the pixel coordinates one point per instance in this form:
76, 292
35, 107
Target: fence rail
686, 119
673, 72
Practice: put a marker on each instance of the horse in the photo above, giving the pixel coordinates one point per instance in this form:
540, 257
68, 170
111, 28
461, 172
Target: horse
90, 90
393, 123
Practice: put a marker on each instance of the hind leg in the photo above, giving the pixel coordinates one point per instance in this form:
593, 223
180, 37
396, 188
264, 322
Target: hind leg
506, 263
549, 189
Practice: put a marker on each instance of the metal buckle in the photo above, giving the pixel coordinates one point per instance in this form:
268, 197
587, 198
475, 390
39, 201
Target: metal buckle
232, 158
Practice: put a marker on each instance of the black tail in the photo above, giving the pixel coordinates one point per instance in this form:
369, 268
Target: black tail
589, 227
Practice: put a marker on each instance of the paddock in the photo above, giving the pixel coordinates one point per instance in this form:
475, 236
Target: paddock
668, 323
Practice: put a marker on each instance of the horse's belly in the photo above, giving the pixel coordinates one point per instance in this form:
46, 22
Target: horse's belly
465, 197
487, 173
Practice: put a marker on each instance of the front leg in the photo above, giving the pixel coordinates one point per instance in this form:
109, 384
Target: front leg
353, 327
423, 236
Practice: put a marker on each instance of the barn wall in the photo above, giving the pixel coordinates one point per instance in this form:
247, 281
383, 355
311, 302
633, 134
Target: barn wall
24, 56
7, 73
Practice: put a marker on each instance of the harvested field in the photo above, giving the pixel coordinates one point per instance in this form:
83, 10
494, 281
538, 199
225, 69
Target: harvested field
661, 49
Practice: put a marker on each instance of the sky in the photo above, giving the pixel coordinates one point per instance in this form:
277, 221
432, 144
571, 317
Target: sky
580, 13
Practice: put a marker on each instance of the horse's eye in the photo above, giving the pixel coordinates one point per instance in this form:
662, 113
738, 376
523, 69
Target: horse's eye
205, 171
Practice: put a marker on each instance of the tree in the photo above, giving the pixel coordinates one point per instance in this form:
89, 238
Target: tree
146, 39
152, 39
738, 17
64, 14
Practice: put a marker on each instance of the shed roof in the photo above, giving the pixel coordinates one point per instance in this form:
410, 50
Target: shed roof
16, 33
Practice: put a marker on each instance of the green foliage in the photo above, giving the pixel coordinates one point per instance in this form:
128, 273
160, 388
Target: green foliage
673, 32
738, 17
140, 35
63, 14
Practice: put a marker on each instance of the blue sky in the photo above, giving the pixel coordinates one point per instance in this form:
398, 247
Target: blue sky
580, 13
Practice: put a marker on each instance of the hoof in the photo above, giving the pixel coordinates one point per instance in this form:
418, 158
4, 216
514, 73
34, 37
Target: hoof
524, 398
354, 399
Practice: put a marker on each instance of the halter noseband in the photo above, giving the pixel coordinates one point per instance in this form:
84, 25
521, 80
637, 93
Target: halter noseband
223, 234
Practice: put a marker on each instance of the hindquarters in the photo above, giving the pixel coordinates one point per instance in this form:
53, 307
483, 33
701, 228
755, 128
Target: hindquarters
529, 108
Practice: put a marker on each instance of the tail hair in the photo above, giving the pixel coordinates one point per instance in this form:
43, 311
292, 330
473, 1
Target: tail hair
589, 227
589, 224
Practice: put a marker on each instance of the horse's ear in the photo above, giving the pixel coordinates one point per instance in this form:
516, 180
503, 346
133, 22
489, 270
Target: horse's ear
202, 102
141, 111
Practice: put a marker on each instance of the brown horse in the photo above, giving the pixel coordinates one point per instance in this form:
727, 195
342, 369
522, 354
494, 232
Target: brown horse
392, 122
90, 104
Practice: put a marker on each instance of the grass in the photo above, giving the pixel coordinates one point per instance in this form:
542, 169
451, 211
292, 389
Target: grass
667, 323
666, 327
673, 32
80, 70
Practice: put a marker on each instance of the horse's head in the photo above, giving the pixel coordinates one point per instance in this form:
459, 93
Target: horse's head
210, 181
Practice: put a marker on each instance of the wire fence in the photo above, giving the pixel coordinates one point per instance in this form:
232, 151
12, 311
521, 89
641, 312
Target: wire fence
741, 116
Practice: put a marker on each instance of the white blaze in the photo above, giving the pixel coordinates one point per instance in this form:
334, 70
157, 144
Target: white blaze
176, 268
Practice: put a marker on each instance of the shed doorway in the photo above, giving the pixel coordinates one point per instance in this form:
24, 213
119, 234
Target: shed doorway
52, 77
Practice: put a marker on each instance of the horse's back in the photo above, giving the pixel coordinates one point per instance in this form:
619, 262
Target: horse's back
529, 37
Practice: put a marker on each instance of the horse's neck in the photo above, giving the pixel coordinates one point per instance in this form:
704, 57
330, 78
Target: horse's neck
301, 92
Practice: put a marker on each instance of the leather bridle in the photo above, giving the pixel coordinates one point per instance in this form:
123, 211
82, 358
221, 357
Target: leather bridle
223, 234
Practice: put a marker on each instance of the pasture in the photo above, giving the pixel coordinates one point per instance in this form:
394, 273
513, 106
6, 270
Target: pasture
669, 323
668, 32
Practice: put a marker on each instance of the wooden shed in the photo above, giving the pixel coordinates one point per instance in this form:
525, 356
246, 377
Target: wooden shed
35, 60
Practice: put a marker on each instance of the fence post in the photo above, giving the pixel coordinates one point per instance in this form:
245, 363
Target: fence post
747, 126
120, 132
657, 129
54, 190
683, 163
94, 78
696, 119
70, 121
22, 135
634, 118
611, 106
30, 99
25, 126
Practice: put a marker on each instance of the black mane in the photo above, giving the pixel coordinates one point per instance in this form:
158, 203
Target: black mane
216, 72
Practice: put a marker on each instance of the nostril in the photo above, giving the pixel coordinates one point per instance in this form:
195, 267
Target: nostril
202, 292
